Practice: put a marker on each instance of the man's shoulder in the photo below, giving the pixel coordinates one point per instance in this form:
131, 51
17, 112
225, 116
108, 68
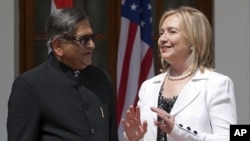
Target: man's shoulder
36, 71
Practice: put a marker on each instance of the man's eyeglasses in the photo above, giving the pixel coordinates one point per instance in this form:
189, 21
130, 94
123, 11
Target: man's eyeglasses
82, 40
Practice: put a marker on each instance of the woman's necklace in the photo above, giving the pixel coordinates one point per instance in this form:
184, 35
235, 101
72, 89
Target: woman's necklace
177, 78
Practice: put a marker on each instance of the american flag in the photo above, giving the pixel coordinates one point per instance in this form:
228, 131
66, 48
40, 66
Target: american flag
56, 4
135, 54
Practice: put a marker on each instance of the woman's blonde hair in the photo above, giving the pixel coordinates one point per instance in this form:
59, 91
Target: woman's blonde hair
197, 29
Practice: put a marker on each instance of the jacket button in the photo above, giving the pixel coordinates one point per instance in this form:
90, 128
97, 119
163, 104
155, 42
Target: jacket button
195, 132
188, 128
92, 131
180, 125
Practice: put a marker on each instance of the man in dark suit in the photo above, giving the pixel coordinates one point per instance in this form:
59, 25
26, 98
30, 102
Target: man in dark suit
65, 98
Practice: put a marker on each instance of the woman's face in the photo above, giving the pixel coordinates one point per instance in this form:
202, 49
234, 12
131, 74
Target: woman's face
173, 46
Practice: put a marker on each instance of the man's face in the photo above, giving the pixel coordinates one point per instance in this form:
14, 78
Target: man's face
76, 52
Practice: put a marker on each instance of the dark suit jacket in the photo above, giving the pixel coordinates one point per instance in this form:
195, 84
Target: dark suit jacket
49, 104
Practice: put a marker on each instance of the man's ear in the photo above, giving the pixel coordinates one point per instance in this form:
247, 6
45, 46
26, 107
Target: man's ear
57, 47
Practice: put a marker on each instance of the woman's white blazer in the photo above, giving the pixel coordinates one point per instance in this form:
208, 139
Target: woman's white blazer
203, 111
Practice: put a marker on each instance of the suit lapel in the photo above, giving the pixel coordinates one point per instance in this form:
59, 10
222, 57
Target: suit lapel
157, 83
190, 92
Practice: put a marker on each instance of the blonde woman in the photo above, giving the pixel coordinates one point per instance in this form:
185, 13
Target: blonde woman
189, 100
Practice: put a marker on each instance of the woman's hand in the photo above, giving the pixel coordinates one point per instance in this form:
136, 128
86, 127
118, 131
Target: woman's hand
133, 127
167, 121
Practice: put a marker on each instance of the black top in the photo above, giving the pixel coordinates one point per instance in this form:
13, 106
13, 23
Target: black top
167, 105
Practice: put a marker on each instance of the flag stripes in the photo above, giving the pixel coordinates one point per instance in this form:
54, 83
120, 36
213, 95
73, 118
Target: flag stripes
135, 54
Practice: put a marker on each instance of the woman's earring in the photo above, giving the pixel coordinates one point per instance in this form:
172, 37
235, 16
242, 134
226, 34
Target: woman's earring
192, 48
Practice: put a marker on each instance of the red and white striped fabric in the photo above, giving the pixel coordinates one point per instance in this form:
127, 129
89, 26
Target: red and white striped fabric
56, 4
135, 54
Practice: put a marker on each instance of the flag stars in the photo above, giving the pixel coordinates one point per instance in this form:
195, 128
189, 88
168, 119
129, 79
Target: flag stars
123, 2
149, 6
142, 23
133, 7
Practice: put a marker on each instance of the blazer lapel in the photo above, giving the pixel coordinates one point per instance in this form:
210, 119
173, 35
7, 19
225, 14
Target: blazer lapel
157, 83
189, 92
